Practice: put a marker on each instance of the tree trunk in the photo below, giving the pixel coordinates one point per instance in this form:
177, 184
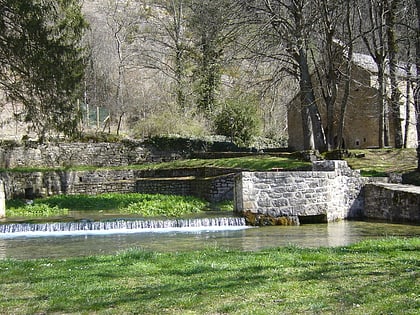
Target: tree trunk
393, 63
417, 90
309, 106
383, 131
347, 80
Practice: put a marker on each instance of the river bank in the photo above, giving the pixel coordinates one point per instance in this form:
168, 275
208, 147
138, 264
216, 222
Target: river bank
370, 277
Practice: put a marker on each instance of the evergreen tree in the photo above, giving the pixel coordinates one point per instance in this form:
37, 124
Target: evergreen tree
42, 61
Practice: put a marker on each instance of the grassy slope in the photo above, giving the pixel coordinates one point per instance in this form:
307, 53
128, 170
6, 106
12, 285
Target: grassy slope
374, 277
384, 161
378, 161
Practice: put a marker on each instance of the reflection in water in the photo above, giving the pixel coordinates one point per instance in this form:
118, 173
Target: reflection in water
313, 235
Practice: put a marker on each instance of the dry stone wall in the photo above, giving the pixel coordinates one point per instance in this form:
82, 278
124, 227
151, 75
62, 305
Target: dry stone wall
82, 154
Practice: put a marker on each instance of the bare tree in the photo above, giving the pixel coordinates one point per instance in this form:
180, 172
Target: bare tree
288, 26
417, 89
332, 59
372, 29
391, 7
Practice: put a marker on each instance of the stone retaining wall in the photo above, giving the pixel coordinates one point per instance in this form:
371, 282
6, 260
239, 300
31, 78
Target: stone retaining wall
83, 154
330, 192
214, 189
392, 202
30, 185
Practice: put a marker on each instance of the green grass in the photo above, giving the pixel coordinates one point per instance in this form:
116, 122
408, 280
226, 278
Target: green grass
253, 163
380, 162
376, 162
34, 211
371, 277
146, 205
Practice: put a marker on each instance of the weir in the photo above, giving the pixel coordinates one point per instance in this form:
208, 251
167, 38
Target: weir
119, 226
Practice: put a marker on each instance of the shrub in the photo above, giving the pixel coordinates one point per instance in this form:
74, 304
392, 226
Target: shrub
36, 210
239, 119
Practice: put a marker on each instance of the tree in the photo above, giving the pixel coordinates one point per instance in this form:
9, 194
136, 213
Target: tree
238, 119
332, 60
372, 29
165, 44
391, 7
417, 89
42, 61
210, 25
288, 26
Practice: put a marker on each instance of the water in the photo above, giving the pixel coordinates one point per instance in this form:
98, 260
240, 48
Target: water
119, 226
182, 239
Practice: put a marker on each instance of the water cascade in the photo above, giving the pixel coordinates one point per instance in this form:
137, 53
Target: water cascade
88, 227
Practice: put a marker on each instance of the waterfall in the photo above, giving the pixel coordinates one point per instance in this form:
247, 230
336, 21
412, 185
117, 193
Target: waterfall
120, 226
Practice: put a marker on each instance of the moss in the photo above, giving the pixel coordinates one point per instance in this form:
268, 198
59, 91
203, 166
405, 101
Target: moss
256, 219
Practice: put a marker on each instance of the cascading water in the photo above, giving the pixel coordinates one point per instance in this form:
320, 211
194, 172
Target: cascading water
87, 227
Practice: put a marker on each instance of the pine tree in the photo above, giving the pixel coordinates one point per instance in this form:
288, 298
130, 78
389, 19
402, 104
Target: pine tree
41, 61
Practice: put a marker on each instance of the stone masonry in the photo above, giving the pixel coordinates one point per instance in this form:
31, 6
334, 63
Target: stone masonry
213, 185
82, 154
332, 191
392, 202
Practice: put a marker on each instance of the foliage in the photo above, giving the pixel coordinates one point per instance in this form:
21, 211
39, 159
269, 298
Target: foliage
239, 119
41, 61
142, 204
168, 206
173, 122
371, 277
35, 210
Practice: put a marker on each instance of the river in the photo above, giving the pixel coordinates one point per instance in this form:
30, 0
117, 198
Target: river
243, 238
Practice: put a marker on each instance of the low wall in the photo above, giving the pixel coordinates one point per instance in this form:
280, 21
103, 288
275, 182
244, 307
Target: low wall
196, 182
392, 202
330, 192
213, 189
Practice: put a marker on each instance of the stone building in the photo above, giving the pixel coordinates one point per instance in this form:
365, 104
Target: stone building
361, 128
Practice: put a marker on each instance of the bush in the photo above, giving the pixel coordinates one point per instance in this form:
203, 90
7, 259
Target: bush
172, 122
36, 210
239, 119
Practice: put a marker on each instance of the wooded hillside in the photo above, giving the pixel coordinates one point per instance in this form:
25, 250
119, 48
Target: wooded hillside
197, 68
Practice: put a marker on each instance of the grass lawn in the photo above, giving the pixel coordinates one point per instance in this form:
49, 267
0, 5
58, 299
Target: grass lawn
374, 162
371, 277
383, 161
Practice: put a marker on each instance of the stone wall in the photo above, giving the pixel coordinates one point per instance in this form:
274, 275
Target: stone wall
83, 154
194, 182
214, 189
330, 192
392, 202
